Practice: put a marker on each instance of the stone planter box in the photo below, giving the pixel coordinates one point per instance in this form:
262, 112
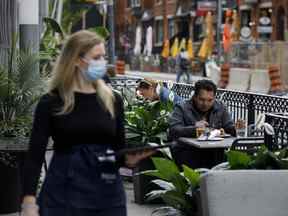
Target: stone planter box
10, 181
245, 192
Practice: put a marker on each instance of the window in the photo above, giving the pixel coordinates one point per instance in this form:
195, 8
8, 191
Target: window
264, 27
171, 27
159, 31
245, 17
135, 3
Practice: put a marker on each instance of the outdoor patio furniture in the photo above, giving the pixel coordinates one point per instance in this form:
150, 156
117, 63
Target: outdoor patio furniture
244, 192
200, 154
248, 145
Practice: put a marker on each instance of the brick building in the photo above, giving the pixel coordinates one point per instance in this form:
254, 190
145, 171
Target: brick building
264, 20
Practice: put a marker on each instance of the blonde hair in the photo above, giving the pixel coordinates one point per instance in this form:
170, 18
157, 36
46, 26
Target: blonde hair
65, 72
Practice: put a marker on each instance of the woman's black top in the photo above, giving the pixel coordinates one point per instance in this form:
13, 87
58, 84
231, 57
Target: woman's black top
88, 123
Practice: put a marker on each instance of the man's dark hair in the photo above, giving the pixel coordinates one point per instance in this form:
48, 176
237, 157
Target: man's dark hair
205, 84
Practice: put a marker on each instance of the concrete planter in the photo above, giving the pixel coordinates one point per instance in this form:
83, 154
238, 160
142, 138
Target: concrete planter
245, 192
10, 181
142, 183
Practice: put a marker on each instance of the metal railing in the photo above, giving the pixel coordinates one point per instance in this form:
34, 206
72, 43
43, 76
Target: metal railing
280, 124
241, 105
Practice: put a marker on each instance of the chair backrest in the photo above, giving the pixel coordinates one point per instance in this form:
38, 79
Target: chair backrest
244, 192
248, 145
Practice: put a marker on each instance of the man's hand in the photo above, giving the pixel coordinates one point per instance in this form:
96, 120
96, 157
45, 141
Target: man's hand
201, 124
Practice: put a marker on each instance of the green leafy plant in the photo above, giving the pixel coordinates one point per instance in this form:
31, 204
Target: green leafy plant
52, 40
179, 190
263, 159
147, 122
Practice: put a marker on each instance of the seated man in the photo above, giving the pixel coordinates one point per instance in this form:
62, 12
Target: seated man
147, 89
199, 112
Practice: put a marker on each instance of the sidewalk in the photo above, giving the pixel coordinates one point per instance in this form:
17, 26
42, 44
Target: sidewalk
159, 75
133, 208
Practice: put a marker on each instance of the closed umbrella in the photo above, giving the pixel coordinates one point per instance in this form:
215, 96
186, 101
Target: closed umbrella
183, 44
235, 26
137, 48
208, 42
166, 49
175, 48
190, 49
148, 45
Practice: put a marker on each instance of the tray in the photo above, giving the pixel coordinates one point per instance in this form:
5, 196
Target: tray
132, 150
211, 139
225, 136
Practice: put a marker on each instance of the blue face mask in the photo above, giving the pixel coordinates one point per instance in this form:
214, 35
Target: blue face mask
96, 70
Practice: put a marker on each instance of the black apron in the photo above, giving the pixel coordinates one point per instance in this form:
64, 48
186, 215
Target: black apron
82, 180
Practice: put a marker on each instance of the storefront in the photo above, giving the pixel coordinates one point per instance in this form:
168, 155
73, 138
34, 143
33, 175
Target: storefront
264, 22
280, 18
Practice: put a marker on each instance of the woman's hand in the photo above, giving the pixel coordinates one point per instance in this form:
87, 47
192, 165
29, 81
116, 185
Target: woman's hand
29, 206
133, 158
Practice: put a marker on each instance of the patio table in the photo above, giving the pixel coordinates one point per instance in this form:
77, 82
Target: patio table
201, 154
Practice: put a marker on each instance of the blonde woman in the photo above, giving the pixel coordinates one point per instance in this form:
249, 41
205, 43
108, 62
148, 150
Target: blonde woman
85, 120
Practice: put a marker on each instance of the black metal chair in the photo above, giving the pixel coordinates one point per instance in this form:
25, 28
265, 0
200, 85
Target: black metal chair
248, 145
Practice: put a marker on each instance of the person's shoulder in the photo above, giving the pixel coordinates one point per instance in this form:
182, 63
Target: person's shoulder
219, 105
183, 104
49, 98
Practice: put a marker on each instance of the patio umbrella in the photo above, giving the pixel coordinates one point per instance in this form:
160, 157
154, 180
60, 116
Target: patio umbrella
183, 44
235, 26
208, 42
166, 49
174, 48
148, 45
190, 49
227, 36
137, 48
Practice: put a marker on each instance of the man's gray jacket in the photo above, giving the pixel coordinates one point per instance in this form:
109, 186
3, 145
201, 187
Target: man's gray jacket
184, 116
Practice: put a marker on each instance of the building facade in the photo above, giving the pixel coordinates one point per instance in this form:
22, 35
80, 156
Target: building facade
261, 20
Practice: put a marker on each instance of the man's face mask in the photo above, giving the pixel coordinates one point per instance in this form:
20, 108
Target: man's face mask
96, 70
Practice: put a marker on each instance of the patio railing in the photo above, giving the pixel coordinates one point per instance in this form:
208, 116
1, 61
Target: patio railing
242, 105
280, 125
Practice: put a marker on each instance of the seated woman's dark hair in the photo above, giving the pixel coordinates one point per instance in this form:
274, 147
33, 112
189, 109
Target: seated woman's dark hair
205, 84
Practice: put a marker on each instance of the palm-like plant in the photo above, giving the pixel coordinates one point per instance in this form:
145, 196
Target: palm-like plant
20, 87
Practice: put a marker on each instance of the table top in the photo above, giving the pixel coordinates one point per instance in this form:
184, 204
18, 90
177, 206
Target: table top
225, 143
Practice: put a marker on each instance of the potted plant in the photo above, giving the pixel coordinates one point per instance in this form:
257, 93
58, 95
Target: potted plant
20, 87
146, 124
179, 190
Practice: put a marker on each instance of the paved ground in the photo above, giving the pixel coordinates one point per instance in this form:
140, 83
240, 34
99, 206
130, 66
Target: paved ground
158, 75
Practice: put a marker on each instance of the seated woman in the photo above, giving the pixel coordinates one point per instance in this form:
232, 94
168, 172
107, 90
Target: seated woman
147, 88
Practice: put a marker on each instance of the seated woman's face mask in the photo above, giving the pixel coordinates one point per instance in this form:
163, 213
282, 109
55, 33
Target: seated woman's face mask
96, 70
